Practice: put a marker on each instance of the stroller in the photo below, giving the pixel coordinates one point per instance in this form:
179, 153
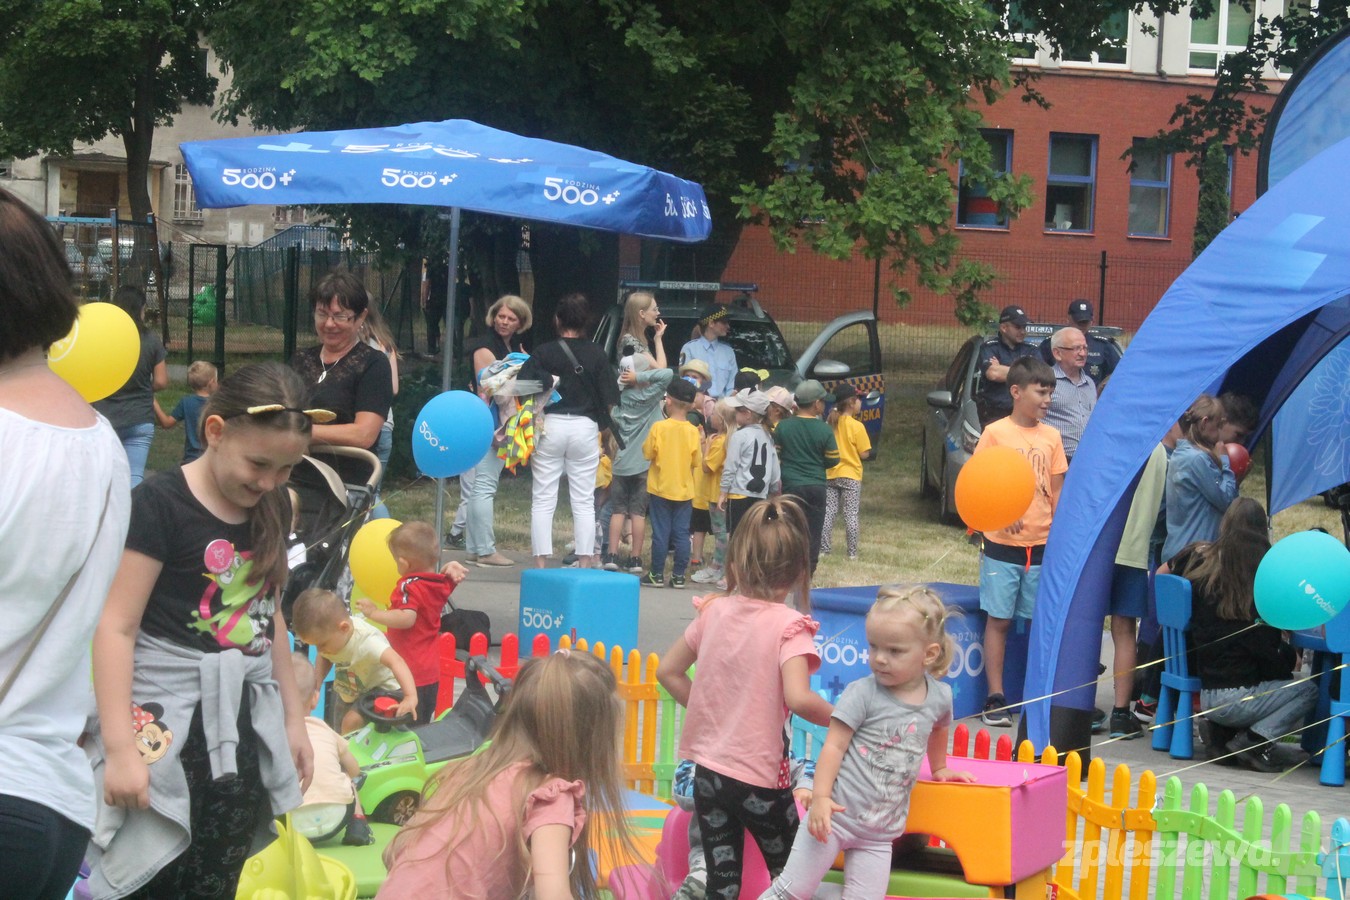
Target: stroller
335, 487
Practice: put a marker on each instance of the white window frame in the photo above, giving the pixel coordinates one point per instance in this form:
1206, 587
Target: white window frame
1094, 61
184, 196
1221, 49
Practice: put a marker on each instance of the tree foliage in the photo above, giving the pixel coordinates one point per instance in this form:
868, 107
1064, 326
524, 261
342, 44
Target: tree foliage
80, 70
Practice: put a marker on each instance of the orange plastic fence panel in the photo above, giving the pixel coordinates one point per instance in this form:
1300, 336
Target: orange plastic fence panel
1141, 865
1092, 832
1117, 837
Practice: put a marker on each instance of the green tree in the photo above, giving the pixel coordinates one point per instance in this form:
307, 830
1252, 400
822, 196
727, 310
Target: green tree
1212, 215
80, 70
837, 122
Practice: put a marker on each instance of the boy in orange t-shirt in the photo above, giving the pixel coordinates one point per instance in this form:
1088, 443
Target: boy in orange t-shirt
1010, 560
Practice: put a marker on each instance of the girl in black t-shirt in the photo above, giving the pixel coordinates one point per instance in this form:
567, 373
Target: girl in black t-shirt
192, 639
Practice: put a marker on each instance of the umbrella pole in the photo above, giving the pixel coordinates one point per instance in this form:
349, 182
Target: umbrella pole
448, 342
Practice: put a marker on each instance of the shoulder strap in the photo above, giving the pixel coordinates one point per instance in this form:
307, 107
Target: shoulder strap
56, 605
571, 357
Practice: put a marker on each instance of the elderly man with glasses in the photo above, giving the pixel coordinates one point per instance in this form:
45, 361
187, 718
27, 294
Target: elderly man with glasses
1075, 392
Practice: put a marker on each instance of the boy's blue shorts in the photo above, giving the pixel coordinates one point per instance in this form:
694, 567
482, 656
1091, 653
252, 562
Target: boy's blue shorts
1008, 590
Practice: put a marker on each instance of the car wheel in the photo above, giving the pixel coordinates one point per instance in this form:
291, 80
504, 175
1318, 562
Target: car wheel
925, 486
397, 809
946, 509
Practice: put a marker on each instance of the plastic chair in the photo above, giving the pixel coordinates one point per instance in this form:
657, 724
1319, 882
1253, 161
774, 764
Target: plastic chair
1172, 729
1333, 756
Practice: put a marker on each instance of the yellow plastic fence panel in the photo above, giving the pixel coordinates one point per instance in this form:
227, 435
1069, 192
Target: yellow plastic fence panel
1116, 836
1141, 864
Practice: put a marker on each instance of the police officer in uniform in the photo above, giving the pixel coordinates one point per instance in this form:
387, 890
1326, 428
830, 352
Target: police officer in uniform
1103, 353
993, 400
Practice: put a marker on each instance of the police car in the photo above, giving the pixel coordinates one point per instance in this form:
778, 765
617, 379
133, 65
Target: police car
844, 350
951, 429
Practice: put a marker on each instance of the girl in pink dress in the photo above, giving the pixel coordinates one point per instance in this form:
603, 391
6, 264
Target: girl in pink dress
521, 815
755, 655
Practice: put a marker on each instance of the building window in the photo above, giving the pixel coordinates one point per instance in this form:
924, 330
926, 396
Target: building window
184, 197
1223, 31
1109, 46
1071, 182
1150, 190
284, 216
1021, 30
974, 207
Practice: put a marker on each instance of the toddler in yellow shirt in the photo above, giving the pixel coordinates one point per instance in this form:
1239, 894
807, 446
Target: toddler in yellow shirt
672, 445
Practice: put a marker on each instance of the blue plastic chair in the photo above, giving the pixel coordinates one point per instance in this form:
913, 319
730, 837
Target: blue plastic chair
1333, 754
1172, 729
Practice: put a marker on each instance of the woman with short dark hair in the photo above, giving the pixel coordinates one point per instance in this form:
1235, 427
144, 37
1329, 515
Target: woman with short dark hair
345, 375
66, 500
570, 445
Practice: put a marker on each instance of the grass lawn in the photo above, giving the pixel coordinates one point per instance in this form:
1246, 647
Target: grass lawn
902, 541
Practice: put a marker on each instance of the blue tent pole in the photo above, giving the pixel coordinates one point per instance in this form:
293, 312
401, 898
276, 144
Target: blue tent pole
448, 341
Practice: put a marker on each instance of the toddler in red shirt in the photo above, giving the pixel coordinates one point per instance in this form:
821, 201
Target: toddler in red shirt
414, 614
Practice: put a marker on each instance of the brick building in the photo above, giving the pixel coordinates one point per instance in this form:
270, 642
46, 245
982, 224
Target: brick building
1095, 229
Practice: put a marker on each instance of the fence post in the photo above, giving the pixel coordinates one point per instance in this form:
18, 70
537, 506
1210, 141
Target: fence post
292, 302
221, 263
1101, 291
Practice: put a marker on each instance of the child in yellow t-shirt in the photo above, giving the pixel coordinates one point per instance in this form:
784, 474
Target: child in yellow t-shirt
843, 485
603, 476
721, 424
672, 445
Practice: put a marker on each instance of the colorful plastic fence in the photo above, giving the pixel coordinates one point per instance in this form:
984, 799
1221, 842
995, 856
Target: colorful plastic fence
1128, 844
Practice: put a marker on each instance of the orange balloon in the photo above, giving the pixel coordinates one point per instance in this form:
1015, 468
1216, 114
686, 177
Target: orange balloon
995, 488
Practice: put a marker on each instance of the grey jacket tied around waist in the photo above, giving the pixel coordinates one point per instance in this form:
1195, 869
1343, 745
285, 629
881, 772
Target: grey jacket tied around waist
129, 847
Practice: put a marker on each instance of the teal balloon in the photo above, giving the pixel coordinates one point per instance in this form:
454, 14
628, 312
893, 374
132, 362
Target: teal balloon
452, 433
1303, 581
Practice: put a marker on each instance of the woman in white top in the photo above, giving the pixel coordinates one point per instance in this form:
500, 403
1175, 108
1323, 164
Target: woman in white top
64, 506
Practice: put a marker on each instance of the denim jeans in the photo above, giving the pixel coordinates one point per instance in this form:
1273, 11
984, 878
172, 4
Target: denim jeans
670, 526
478, 487
136, 442
1276, 708
384, 445
42, 850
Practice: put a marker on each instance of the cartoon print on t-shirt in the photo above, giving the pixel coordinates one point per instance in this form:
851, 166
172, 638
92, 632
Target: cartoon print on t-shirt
235, 613
893, 767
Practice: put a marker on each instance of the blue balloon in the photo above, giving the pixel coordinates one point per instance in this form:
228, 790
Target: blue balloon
453, 432
1303, 581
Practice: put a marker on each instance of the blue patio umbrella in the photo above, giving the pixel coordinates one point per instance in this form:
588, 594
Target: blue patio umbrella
457, 164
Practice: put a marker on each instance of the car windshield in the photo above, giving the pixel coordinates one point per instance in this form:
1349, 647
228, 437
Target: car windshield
758, 344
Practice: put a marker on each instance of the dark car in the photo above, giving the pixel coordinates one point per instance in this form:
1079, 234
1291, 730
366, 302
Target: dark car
951, 428
846, 349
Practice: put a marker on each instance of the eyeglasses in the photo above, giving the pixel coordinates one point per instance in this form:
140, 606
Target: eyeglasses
323, 315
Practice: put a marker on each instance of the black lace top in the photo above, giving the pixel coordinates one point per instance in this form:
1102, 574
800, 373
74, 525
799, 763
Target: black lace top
361, 381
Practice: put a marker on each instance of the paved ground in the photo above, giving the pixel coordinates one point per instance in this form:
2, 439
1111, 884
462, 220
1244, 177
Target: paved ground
665, 613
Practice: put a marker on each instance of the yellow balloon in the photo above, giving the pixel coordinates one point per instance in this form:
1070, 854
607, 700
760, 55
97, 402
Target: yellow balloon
100, 353
372, 564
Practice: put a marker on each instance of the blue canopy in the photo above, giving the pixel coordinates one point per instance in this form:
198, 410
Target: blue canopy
1255, 313
455, 163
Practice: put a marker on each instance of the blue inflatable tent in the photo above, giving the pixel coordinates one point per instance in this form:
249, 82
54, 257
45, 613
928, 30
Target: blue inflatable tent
1263, 311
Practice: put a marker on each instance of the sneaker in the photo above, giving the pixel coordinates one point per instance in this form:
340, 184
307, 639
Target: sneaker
1124, 725
454, 541
570, 561
358, 834
609, 563
1215, 739
635, 565
652, 579
995, 715
1255, 752
677, 581
1145, 710
495, 560
708, 575
1098, 721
